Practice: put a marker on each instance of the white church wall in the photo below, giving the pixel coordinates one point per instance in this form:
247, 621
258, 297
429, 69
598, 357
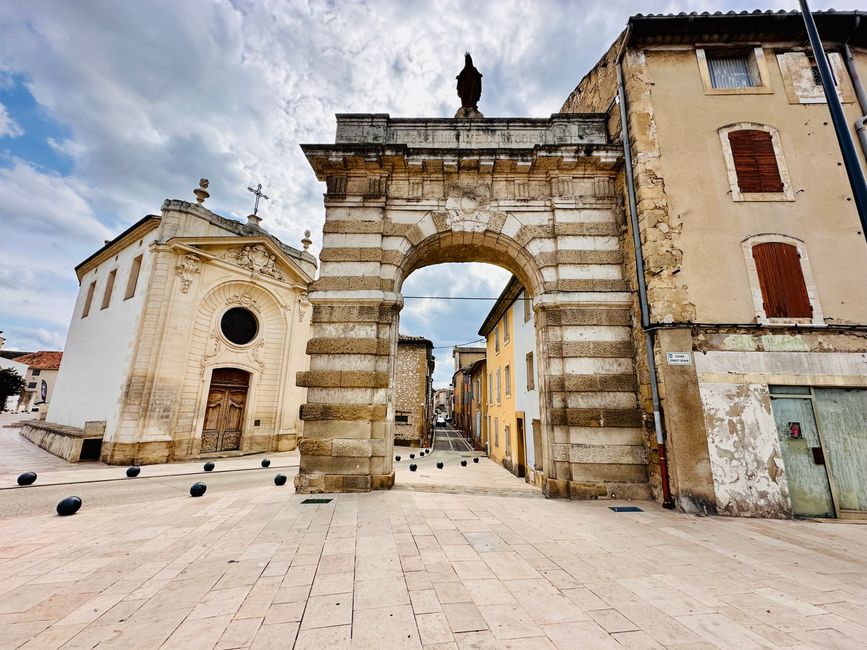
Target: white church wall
526, 400
99, 347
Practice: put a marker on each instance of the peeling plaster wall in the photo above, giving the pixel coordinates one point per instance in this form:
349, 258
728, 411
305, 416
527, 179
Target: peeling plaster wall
745, 455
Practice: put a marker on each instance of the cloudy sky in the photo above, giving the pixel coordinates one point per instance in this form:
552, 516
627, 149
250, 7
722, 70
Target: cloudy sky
109, 107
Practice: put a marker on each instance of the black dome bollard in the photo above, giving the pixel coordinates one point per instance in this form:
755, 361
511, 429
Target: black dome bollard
463, 463
427, 451
132, 471
413, 467
420, 454
439, 464
412, 455
280, 479
266, 462
209, 466
69, 506
198, 489
27, 478
397, 458
475, 459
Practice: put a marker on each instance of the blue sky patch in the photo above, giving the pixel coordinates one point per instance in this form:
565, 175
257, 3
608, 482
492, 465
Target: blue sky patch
33, 146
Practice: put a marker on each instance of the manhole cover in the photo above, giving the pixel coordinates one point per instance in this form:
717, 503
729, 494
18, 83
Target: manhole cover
625, 509
316, 501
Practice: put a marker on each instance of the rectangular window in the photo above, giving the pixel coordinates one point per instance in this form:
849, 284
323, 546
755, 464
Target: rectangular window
89, 299
490, 388
37, 372
497, 338
784, 292
401, 419
506, 327
732, 71
496, 432
755, 161
531, 379
109, 286
32, 384
499, 396
132, 282
508, 373
528, 307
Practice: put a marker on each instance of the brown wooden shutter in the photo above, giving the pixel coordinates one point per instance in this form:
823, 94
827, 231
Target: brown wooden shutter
755, 161
784, 291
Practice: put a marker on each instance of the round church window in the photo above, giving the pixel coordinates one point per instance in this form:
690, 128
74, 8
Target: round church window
239, 325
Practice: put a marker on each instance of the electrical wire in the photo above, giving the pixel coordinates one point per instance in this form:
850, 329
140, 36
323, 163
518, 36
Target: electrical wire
457, 345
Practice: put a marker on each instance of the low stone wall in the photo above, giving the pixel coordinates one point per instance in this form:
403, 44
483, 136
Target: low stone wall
62, 441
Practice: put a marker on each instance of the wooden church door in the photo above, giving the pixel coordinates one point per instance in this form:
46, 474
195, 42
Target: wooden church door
224, 411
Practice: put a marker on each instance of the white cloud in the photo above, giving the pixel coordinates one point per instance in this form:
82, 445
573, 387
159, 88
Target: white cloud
9, 128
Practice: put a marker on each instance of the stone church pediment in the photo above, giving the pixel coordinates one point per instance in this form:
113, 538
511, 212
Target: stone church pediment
253, 254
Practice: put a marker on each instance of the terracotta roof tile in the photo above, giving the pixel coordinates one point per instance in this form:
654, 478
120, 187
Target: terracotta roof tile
43, 360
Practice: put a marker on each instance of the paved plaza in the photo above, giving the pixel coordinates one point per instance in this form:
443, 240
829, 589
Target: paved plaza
429, 564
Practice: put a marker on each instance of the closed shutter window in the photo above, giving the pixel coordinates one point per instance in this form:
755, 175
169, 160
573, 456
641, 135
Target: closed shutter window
755, 161
784, 292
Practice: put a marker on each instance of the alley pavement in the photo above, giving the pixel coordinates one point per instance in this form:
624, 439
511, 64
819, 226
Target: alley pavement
463, 557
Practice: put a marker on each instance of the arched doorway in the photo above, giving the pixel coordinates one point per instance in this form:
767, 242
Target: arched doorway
224, 410
534, 196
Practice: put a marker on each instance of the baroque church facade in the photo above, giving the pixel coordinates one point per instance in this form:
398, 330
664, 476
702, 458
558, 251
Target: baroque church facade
185, 339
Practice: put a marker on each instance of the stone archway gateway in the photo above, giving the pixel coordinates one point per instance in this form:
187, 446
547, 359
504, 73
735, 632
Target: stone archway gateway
535, 196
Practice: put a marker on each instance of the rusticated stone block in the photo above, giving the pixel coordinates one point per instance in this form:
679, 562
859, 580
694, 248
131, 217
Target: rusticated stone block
379, 347
310, 483
571, 316
586, 285
608, 349
382, 481
441, 221
353, 314
370, 412
351, 255
496, 221
526, 234
586, 490
353, 227
351, 448
596, 417
597, 383
315, 446
356, 483
592, 228
342, 379
578, 257
377, 447
555, 489
351, 284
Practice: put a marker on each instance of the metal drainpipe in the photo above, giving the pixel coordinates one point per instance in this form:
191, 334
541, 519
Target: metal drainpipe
667, 500
861, 122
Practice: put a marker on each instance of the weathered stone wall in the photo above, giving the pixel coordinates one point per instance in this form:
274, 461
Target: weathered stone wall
547, 213
410, 396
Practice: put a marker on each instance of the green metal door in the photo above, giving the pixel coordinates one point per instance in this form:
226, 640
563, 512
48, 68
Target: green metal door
842, 414
809, 489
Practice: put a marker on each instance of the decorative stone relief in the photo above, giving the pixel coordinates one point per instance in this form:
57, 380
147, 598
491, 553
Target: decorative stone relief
187, 270
256, 258
257, 354
244, 300
215, 344
303, 304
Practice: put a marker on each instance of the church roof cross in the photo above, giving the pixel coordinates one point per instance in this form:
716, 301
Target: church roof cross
259, 195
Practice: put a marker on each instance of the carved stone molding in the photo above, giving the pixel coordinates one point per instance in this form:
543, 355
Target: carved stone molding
187, 270
213, 347
257, 354
255, 258
244, 300
303, 304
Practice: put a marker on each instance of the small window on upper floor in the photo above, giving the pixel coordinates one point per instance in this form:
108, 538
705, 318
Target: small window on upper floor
109, 287
132, 281
497, 337
754, 162
802, 81
783, 288
726, 71
506, 326
528, 307
89, 299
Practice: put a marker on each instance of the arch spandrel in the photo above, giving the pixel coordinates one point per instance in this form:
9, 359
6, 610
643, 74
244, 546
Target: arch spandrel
531, 196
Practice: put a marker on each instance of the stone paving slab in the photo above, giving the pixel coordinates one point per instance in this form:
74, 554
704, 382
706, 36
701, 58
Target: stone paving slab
256, 568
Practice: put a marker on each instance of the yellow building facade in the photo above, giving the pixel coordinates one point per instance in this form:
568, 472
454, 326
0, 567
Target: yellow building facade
505, 446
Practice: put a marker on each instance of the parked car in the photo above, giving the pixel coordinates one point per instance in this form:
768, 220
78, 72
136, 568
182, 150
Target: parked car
441, 421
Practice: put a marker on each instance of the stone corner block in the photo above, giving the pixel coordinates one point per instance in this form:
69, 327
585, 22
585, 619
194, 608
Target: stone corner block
310, 483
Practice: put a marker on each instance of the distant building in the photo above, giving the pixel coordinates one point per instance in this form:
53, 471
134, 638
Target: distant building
527, 412
10, 362
39, 380
464, 358
186, 338
413, 398
443, 401
477, 402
